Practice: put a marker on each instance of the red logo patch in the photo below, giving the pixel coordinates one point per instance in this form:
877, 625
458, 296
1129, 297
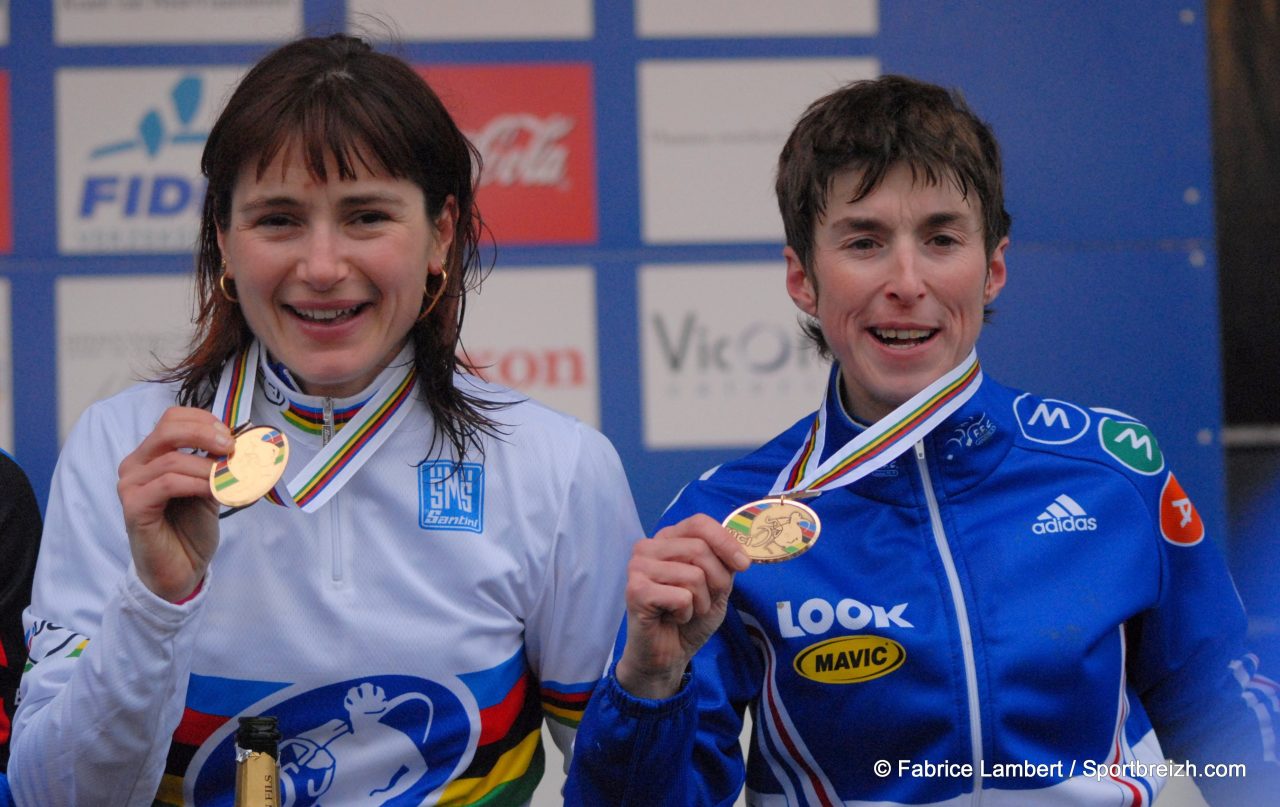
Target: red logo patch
534, 125
1179, 521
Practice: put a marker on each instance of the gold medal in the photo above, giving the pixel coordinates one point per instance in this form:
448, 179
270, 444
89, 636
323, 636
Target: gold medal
253, 469
775, 529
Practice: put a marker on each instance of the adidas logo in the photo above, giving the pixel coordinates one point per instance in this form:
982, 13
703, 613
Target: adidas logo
1064, 515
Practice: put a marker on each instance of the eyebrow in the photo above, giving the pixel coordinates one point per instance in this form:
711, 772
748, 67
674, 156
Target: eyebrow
373, 199
854, 223
360, 200
268, 202
947, 218
872, 224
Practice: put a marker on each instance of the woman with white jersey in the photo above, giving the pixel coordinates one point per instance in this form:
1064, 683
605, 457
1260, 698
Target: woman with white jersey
319, 514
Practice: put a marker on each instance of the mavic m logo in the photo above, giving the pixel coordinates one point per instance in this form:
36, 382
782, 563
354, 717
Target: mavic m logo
1132, 444
1045, 420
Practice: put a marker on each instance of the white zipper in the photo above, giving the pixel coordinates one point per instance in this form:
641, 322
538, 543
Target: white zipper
326, 428
962, 618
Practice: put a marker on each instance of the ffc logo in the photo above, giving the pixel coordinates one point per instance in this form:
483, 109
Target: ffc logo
1050, 421
1180, 523
1132, 444
451, 497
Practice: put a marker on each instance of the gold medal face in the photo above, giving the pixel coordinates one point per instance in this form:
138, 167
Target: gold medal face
253, 469
771, 530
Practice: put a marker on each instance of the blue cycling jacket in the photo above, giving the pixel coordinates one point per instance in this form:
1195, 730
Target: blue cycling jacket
1000, 616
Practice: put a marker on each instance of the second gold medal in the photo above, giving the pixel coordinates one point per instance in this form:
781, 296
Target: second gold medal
775, 529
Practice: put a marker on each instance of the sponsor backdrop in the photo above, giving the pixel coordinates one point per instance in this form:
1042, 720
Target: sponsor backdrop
629, 146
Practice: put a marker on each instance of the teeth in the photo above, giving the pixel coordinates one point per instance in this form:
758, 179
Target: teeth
325, 315
901, 333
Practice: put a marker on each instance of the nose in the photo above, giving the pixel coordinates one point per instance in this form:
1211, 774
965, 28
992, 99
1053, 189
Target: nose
321, 264
905, 283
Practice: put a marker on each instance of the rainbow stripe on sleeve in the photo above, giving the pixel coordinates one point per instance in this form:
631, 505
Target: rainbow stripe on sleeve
509, 759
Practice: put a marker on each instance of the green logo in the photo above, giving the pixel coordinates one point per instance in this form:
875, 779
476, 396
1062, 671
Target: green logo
1132, 444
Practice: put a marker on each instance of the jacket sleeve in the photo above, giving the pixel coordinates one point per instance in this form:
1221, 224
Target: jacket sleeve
684, 750
19, 541
109, 660
1188, 662
571, 628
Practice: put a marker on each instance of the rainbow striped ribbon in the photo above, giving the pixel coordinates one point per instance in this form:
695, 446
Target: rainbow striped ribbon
882, 442
337, 461
329, 470
234, 397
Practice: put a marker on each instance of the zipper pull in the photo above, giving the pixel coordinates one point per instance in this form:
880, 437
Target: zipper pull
920, 450
326, 431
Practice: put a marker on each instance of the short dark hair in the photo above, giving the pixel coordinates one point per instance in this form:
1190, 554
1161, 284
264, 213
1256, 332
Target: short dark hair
872, 126
335, 97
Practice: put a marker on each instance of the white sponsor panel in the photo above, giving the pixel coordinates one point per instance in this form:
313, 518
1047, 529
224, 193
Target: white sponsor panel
4, 22
729, 18
130, 22
112, 331
535, 330
723, 360
710, 133
129, 144
6, 368
445, 20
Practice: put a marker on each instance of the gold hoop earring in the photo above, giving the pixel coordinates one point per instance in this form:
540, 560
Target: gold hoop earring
222, 285
430, 306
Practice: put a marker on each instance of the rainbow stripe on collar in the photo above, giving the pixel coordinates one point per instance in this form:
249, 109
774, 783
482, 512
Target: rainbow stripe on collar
330, 469
886, 439
310, 419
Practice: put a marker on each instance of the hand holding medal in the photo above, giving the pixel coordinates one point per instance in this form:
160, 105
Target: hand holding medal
780, 527
169, 512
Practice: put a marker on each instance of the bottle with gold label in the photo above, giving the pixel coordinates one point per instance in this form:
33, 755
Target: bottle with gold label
257, 771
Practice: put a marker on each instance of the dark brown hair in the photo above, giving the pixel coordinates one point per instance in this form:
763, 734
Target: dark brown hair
871, 126
336, 97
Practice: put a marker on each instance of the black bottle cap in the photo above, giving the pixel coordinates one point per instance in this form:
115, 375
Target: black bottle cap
259, 734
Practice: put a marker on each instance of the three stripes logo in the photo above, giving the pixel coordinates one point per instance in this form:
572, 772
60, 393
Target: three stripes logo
1064, 515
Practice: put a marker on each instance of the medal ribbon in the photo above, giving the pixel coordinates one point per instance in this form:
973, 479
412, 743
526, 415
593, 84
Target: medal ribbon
329, 470
234, 397
882, 442
337, 461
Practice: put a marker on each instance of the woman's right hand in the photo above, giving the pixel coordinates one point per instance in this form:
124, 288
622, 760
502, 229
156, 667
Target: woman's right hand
169, 510
678, 586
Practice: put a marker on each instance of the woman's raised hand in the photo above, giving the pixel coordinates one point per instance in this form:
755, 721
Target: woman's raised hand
169, 510
678, 586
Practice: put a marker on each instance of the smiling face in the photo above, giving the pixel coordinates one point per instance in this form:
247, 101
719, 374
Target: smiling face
330, 275
898, 285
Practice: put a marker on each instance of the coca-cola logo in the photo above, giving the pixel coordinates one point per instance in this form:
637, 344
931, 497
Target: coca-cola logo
524, 150
534, 127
